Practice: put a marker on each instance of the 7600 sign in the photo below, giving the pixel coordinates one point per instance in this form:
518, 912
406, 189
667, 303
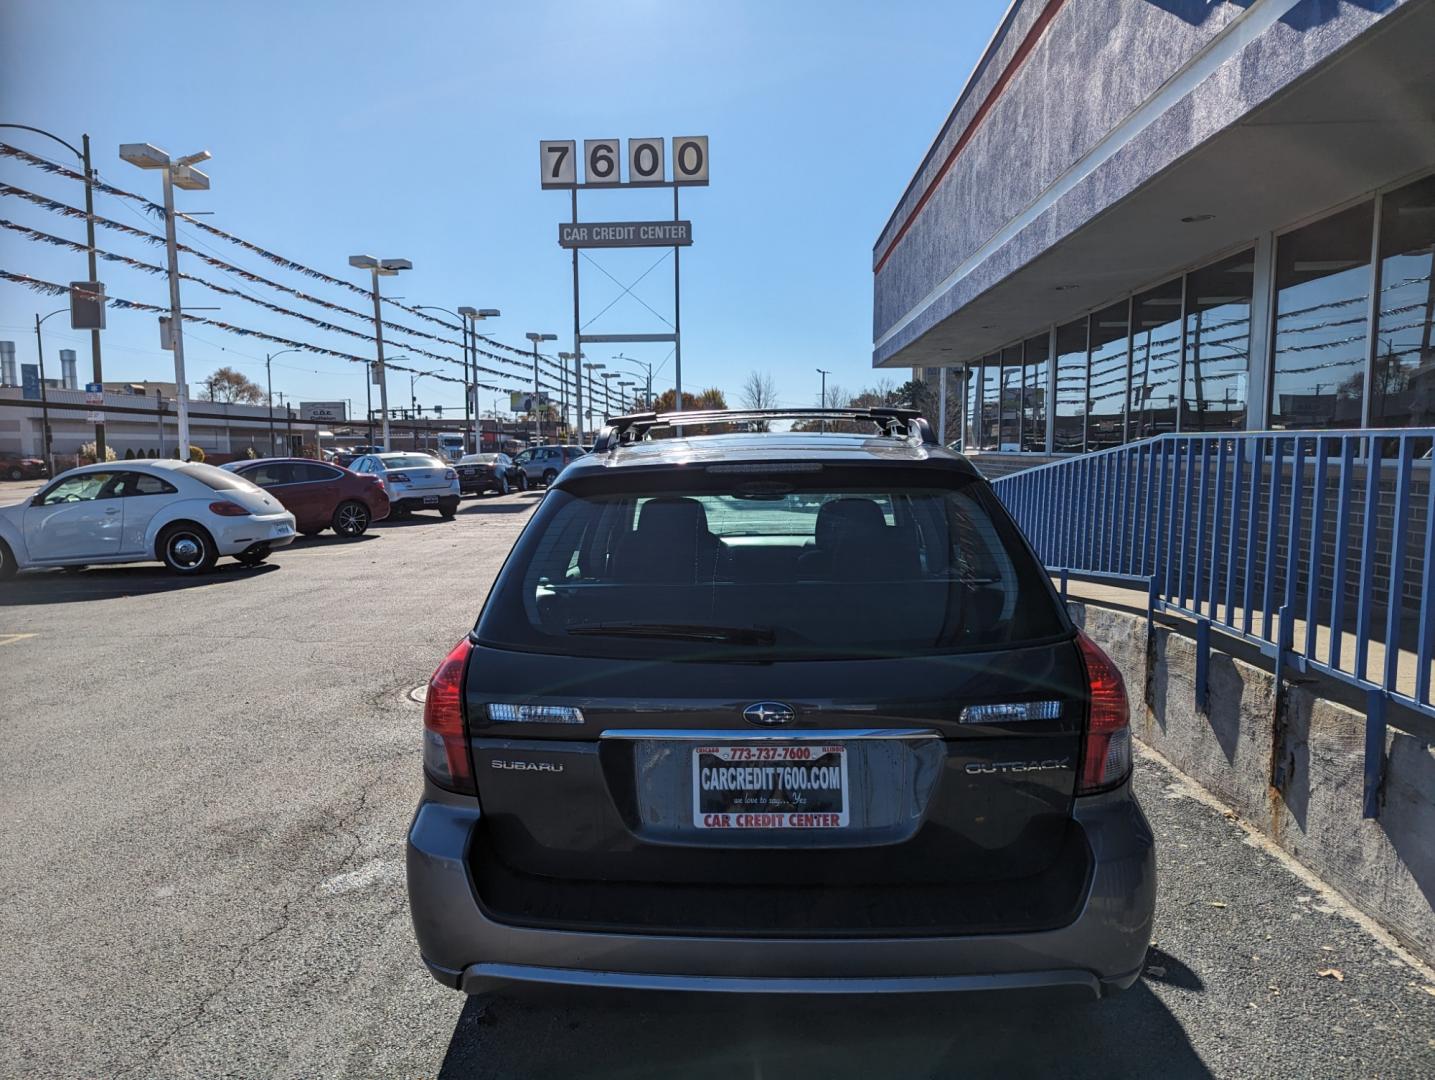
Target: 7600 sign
602, 162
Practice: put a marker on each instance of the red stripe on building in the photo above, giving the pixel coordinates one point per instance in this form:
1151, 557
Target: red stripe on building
1013, 65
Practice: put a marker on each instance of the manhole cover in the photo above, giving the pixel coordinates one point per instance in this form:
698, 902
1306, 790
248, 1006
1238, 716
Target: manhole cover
419, 693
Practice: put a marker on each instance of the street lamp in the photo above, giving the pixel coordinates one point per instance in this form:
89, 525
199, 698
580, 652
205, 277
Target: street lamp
590, 368
177, 172
380, 268
563, 359
467, 316
84, 156
269, 381
44, 395
607, 394
537, 422
648, 370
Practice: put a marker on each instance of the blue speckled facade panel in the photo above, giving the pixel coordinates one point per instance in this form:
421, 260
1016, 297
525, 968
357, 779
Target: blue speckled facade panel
1096, 63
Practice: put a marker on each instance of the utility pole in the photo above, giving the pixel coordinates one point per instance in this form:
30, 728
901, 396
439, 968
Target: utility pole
97, 368
84, 157
822, 399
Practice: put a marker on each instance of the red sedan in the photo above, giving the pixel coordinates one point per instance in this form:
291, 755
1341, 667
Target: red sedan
319, 495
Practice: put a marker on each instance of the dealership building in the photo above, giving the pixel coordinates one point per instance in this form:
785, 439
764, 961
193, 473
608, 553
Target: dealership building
1151, 216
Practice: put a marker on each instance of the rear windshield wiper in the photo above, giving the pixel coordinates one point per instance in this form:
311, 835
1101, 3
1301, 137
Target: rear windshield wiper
727, 635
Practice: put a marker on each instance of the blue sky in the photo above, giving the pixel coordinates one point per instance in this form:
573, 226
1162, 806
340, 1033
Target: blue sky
411, 131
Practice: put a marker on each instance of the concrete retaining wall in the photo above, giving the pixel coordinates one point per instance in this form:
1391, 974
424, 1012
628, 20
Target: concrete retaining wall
1386, 866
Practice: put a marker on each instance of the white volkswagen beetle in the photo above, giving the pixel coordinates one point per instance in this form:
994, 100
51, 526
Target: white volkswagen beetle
184, 514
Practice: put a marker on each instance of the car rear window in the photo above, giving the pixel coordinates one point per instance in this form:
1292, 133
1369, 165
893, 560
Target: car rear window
411, 461
853, 565
218, 479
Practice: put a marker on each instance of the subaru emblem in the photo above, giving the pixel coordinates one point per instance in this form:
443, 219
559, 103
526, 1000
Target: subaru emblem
769, 713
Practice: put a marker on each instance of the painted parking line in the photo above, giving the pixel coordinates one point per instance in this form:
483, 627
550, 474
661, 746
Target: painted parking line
10, 639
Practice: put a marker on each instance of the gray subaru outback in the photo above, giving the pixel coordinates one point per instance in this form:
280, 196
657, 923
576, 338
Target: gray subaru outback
777, 711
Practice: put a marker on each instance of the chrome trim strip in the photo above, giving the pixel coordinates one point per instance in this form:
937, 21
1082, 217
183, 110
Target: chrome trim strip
742, 736
478, 977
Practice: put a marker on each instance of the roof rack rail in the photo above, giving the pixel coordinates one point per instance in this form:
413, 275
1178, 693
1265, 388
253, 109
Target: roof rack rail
890, 420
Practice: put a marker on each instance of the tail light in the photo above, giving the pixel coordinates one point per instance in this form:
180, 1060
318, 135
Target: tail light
445, 745
1106, 747
225, 508
449, 474
399, 477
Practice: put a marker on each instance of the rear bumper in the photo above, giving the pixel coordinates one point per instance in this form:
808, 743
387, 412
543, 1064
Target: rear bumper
447, 499
253, 533
477, 485
1102, 948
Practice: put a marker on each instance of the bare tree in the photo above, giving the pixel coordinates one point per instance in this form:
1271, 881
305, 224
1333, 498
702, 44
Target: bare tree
759, 391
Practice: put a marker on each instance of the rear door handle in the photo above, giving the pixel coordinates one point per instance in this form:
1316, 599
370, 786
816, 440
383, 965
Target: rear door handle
113, 510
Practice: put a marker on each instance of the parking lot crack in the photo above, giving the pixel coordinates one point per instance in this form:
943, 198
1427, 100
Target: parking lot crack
200, 1013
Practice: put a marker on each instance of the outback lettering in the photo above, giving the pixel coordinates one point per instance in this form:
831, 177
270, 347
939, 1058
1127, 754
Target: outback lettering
977, 768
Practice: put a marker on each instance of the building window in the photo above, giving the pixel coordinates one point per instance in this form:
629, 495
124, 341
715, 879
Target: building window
1105, 414
1033, 402
1321, 325
991, 403
1071, 388
1403, 380
1155, 361
1218, 338
1011, 398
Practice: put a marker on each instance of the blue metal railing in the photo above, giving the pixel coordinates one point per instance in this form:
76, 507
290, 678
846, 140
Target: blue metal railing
1318, 547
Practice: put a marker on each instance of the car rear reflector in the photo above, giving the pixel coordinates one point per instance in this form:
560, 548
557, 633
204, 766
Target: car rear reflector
446, 756
1106, 746
225, 508
534, 714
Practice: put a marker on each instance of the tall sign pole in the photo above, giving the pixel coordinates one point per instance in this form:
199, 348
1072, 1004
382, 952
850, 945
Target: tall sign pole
577, 337
602, 169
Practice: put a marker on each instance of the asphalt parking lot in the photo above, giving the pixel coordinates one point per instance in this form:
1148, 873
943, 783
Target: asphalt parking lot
205, 788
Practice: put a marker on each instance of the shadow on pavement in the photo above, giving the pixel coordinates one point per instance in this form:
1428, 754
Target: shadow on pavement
108, 582
497, 506
625, 1033
423, 517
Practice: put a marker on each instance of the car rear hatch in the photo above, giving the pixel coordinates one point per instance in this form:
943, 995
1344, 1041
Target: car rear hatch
794, 761
420, 476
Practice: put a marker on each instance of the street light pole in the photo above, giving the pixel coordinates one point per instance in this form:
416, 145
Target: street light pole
537, 422
648, 370
180, 172
176, 323
563, 358
269, 388
608, 394
386, 268
45, 440
590, 368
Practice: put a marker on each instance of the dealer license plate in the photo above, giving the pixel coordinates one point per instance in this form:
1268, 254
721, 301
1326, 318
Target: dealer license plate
430, 500
770, 787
